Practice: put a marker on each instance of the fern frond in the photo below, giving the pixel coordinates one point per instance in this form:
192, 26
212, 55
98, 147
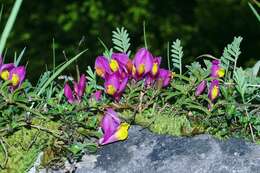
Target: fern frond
231, 54
177, 54
121, 40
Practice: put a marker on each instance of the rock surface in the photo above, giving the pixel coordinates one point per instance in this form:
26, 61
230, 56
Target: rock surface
145, 152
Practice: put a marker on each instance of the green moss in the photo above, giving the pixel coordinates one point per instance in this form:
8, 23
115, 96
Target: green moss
21, 152
163, 123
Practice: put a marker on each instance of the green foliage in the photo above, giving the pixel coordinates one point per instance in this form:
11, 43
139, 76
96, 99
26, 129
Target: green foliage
177, 54
256, 68
9, 24
241, 83
254, 10
121, 40
231, 54
58, 71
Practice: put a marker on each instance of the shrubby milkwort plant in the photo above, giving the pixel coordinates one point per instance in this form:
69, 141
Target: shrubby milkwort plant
65, 117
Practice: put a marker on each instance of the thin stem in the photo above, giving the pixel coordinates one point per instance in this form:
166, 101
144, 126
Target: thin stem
145, 43
168, 55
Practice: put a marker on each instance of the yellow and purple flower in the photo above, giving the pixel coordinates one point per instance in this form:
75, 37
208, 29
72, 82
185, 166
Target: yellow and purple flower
5, 70
150, 78
102, 66
121, 62
213, 90
143, 62
17, 76
216, 70
79, 89
112, 127
201, 88
156, 66
115, 85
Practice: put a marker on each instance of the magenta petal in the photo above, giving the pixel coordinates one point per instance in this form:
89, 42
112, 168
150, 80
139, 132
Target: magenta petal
109, 124
110, 139
201, 87
213, 90
114, 115
112, 80
81, 85
20, 72
68, 93
143, 57
164, 76
123, 85
124, 62
214, 68
121, 58
102, 66
8, 67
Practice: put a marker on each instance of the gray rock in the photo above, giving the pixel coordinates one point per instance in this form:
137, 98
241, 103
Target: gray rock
146, 152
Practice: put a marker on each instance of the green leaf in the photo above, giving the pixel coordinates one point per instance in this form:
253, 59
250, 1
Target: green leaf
9, 24
256, 68
254, 11
58, 71
231, 54
121, 40
177, 54
17, 61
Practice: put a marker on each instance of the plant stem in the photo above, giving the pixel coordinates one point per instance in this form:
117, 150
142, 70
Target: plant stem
145, 43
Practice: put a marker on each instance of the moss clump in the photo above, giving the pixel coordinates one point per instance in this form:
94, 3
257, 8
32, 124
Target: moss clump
23, 147
164, 123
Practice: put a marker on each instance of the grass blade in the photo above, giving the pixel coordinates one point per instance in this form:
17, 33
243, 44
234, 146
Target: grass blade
58, 71
9, 24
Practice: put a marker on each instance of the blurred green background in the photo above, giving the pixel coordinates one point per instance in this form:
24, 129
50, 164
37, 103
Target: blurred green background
204, 26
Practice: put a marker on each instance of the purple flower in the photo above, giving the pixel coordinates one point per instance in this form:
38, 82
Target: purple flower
17, 76
115, 85
213, 90
200, 88
164, 77
112, 84
102, 66
123, 62
216, 70
5, 70
68, 93
156, 66
113, 129
79, 89
143, 62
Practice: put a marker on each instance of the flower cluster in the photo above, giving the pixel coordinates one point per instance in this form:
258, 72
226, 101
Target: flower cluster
15, 75
214, 90
79, 89
120, 69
